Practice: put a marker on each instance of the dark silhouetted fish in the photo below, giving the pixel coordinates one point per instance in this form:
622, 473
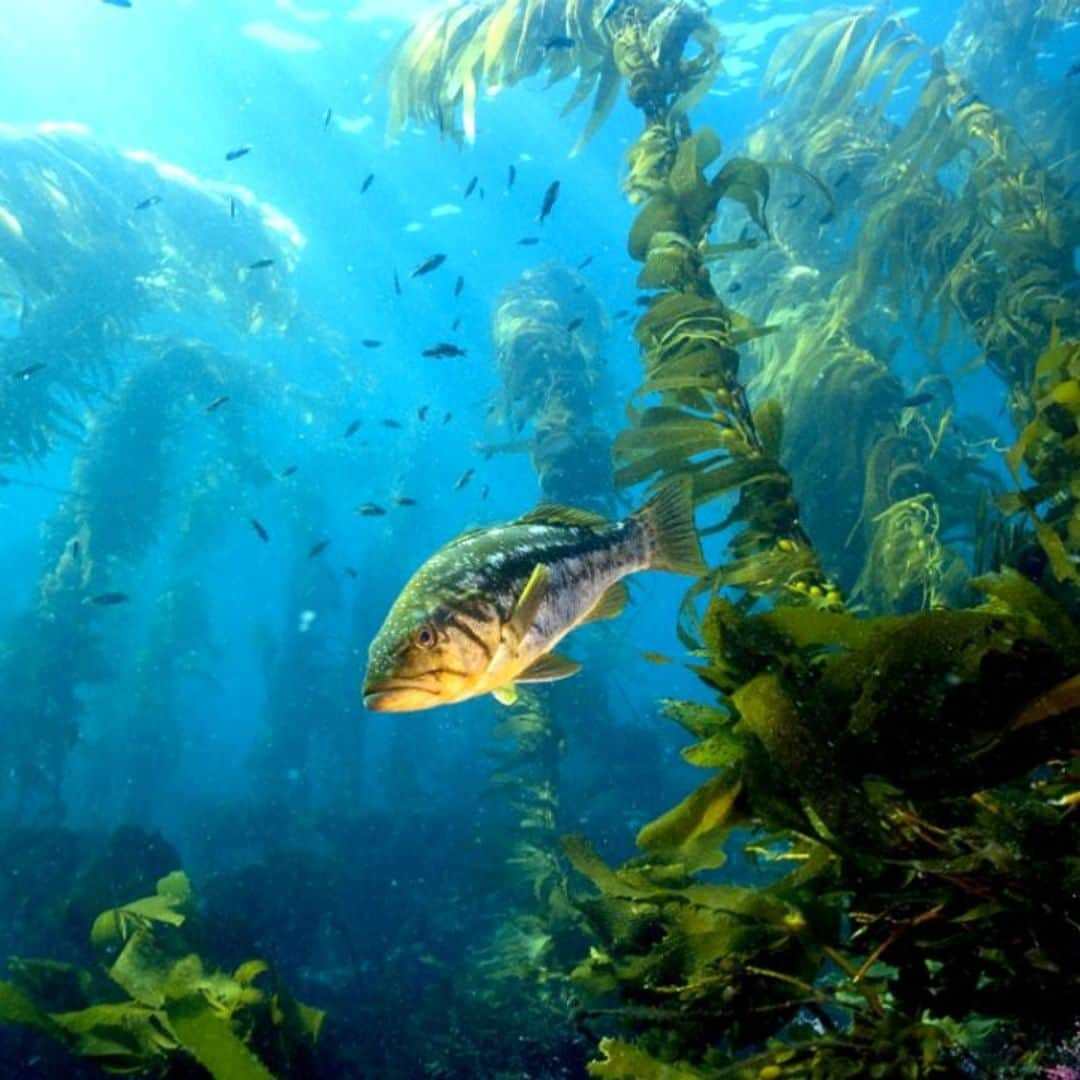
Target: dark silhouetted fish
559, 41
391, 423
352, 429
443, 349
261, 264
1074, 69
352, 572
152, 200
28, 372
368, 181
484, 491
318, 549
232, 209
573, 324
397, 284
795, 200
403, 500
550, 197
260, 530
528, 241
511, 176
587, 261
447, 417
109, 599
470, 187
432, 262
421, 413
456, 325
327, 118
289, 470
117, 3
734, 287
371, 343
463, 479
915, 400
239, 152
459, 285
370, 510
217, 403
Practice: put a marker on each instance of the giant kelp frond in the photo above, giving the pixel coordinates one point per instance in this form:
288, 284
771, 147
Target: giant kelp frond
877, 772
458, 52
172, 1011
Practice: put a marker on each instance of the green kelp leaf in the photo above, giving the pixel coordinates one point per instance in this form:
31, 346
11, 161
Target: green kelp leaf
658, 216
693, 832
747, 182
169, 905
719, 751
142, 969
700, 720
624, 1061
809, 627
769, 424
1020, 595
211, 1041
17, 1007
55, 986
125, 1037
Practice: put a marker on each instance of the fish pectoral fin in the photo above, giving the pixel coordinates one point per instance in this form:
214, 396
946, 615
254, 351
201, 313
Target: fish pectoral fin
505, 695
611, 604
549, 668
528, 603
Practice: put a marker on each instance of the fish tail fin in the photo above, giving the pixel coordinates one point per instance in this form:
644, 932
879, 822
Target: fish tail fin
668, 520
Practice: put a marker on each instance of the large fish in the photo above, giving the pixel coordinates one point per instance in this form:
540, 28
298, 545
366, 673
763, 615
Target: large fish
485, 611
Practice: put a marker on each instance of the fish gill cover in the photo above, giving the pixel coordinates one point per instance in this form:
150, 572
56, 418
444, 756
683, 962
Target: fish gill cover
370, 283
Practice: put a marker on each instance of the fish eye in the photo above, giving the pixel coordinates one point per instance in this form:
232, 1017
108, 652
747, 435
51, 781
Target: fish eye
425, 637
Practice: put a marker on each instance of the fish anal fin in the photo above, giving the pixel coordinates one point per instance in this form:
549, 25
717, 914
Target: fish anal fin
528, 603
611, 604
505, 695
549, 668
553, 514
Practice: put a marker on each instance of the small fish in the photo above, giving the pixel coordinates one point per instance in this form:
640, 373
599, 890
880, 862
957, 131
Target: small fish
371, 343
76, 549
217, 403
1074, 69
232, 209
826, 218
368, 181
117, 3
843, 178
447, 417
352, 429
28, 372
587, 261
288, 471
528, 241
261, 264
260, 530
734, 287
657, 658
327, 118
511, 176
109, 599
151, 200
391, 423
370, 510
421, 413
470, 187
459, 285
318, 549
574, 324
550, 196
432, 262
484, 491
622, 313
239, 152
444, 349
403, 500
915, 400
486, 611
463, 479
559, 41
795, 201
397, 284
352, 572
643, 301
455, 325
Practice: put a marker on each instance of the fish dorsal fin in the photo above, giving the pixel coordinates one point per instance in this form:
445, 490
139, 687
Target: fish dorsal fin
505, 695
611, 604
465, 536
549, 668
553, 514
528, 603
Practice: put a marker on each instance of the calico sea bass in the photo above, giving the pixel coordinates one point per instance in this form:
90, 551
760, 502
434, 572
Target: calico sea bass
485, 611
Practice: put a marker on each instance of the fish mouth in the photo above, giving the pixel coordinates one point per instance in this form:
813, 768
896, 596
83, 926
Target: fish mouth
397, 695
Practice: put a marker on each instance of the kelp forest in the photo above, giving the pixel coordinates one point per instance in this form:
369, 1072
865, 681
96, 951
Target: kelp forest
857, 331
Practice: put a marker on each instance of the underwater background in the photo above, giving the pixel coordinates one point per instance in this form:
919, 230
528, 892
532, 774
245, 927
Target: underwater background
821, 260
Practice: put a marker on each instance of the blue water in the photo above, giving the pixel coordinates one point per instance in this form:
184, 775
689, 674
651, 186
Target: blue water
401, 806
